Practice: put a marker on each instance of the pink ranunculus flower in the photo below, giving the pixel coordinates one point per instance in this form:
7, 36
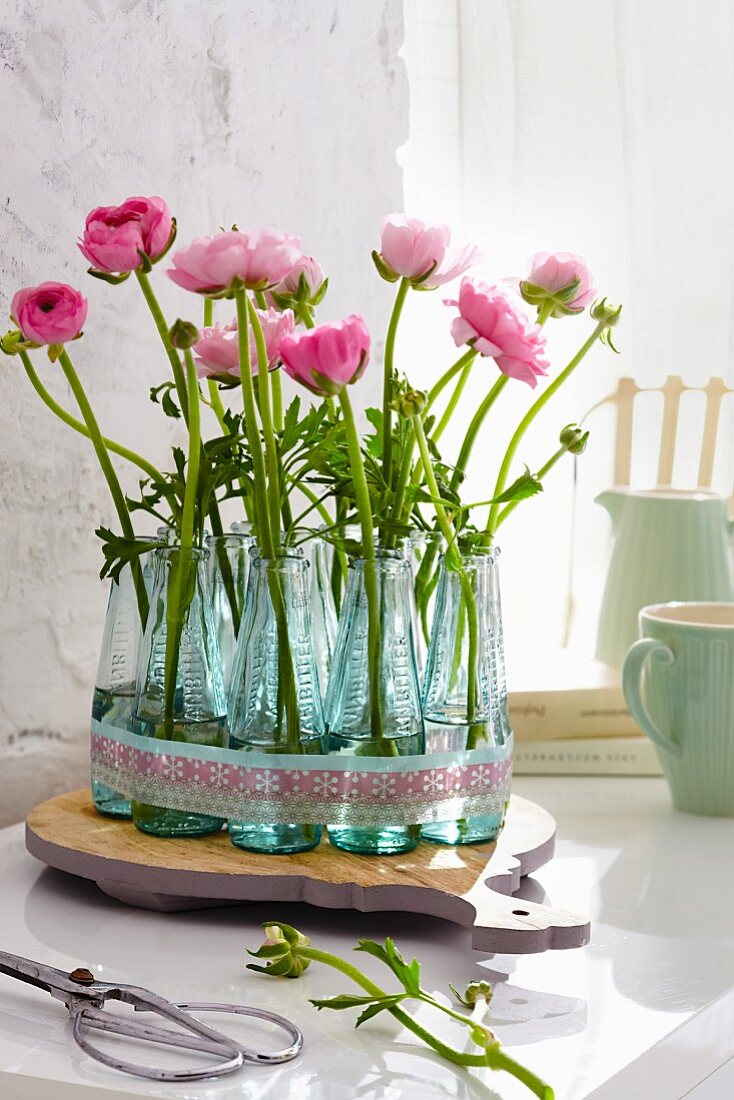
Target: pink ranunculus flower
559, 279
411, 248
492, 322
328, 357
50, 313
217, 350
257, 259
114, 236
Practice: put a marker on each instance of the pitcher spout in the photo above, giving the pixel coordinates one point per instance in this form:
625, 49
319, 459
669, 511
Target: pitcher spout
611, 500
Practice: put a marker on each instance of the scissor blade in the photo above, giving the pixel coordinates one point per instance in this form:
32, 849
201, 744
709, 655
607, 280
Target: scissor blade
32, 973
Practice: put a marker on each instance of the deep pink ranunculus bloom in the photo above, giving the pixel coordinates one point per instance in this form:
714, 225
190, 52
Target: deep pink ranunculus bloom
489, 318
50, 313
551, 272
328, 357
217, 350
114, 236
260, 258
410, 247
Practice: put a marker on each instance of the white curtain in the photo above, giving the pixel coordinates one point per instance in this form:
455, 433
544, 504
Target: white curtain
603, 127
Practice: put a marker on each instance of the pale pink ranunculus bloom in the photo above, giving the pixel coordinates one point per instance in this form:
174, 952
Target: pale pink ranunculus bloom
551, 272
410, 248
50, 313
259, 258
491, 319
312, 271
455, 263
328, 357
217, 349
114, 236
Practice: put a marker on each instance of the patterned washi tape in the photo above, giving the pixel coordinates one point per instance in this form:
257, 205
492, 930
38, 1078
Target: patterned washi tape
271, 788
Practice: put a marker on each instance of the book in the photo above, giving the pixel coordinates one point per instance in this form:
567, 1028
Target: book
562, 696
587, 756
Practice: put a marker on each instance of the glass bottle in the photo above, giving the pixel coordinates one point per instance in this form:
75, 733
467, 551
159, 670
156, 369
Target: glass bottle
323, 608
114, 686
462, 705
228, 567
275, 703
190, 705
373, 702
422, 549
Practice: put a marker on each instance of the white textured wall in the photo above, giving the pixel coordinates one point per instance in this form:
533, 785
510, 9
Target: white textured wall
286, 112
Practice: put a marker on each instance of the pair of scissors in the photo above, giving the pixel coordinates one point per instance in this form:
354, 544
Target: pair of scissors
85, 999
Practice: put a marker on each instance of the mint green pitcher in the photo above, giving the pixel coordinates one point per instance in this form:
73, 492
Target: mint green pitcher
669, 545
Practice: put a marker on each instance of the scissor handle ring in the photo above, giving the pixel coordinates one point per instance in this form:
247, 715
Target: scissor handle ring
263, 1058
199, 1073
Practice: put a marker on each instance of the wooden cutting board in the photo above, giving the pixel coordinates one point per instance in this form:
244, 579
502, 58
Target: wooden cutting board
470, 885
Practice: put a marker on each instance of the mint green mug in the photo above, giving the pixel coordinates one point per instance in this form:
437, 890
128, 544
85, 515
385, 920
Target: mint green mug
678, 681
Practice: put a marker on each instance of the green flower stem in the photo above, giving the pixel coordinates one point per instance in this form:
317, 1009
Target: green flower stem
192, 473
183, 568
460, 365
307, 317
364, 510
271, 450
527, 420
392, 329
401, 487
266, 492
339, 559
216, 403
277, 389
453, 561
509, 508
118, 497
494, 1059
79, 426
316, 503
160, 323
453, 401
435, 390
473, 430
208, 312
260, 489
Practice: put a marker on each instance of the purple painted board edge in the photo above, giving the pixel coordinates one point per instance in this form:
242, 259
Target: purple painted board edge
171, 890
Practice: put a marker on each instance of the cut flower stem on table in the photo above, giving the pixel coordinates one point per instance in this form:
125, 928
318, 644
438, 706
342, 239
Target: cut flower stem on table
287, 953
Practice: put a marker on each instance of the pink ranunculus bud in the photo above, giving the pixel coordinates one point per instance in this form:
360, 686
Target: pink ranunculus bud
312, 272
328, 357
416, 250
217, 350
114, 236
254, 259
559, 279
491, 321
50, 313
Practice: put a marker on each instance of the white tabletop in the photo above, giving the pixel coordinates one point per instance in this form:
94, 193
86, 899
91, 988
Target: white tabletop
658, 886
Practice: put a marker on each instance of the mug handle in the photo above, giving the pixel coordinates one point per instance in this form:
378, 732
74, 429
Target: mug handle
631, 679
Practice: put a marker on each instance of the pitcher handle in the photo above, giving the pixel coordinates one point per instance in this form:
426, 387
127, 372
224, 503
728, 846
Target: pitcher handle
634, 664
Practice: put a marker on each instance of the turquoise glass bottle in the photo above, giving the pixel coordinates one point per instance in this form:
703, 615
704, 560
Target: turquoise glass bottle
228, 567
464, 687
323, 608
373, 702
115, 683
180, 691
274, 699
